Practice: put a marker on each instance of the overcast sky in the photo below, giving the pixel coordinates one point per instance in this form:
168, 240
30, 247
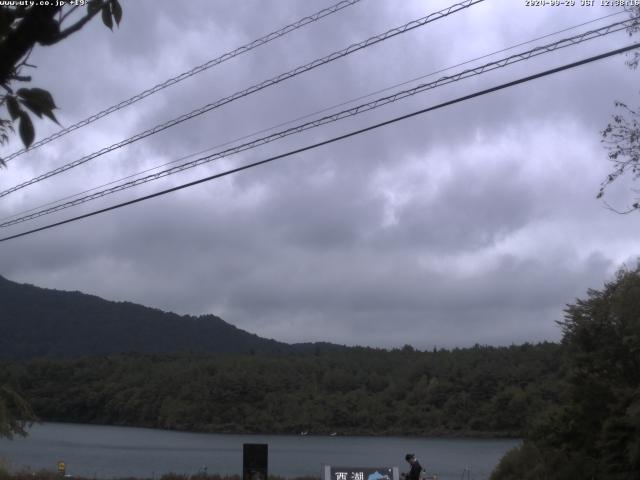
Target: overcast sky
476, 223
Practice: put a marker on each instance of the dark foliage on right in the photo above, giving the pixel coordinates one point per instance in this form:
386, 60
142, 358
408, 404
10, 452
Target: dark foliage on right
595, 430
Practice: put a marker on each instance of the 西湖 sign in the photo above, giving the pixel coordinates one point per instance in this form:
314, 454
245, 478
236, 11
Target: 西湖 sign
360, 473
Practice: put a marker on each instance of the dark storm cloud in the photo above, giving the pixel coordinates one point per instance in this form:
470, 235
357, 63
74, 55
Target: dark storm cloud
474, 223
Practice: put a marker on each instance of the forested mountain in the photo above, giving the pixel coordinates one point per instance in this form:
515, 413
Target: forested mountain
145, 367
476, 391
38, 322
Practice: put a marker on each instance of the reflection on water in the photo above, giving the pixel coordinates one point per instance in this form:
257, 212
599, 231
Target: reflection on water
108, 452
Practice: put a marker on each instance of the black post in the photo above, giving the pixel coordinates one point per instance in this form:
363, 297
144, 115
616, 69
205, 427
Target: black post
255, 461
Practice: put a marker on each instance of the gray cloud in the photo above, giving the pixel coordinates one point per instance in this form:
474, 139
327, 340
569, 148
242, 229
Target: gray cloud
474, 223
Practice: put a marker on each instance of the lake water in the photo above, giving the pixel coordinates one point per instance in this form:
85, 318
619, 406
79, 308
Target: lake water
108, 452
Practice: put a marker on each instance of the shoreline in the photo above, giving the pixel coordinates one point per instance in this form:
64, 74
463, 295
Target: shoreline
117, 453
435, 434
45, 474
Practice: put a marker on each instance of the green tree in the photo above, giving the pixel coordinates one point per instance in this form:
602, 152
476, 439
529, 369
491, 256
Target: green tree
602, 334
23, 27
15, 413
622, 135
595, 432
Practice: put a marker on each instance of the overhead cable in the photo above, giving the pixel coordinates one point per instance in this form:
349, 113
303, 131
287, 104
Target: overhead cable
540, 50
331, 140
253, 89
308, 115
190, 73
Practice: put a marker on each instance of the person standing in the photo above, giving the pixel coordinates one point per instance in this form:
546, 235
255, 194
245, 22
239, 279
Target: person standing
416, 468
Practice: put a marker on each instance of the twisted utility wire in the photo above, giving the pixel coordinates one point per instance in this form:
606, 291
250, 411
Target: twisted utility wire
575, 40
194, 71
331, 140
309, 115
253, 89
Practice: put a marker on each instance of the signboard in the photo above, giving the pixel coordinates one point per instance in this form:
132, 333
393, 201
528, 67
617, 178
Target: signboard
360, 473
255, 461
62, 468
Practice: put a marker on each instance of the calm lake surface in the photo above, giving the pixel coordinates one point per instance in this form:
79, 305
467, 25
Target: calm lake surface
108, 452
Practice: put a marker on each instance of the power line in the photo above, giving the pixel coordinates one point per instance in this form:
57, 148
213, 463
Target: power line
194, 71
337, 116
253, 89
332, 140
540, 50
309, 115
466, 62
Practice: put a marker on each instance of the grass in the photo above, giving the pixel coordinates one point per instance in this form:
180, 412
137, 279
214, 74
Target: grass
4, 467
5, 474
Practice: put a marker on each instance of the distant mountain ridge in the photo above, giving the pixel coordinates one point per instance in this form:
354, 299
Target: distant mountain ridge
38, 322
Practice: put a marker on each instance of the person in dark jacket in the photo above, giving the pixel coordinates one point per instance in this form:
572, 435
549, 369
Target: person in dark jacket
416, 468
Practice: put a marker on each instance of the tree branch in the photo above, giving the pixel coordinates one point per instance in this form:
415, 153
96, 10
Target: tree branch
625, 212
77, 26
63, 17
34, 27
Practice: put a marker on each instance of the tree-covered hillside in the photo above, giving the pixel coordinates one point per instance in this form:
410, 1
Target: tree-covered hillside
38, 322
481, 390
